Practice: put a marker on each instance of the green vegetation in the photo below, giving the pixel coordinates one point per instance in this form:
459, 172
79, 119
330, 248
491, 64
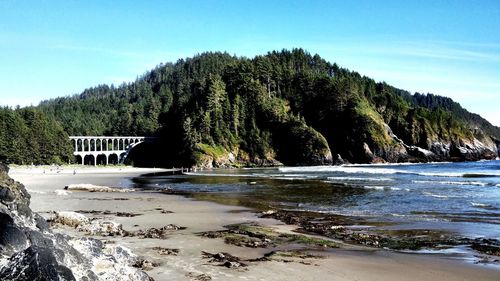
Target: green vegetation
290, 106
29, 136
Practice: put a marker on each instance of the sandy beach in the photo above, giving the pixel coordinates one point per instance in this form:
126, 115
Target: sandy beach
151, 209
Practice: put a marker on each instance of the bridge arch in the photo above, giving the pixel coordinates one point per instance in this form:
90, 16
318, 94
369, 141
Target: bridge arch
89, 160
104, 150
113, 159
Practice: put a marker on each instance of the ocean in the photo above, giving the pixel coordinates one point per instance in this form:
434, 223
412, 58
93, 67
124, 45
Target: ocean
462, 198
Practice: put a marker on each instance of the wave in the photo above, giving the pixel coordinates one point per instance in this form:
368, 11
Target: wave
62, 192
435, 195
480, 205
381, 170
344, 169
35, 191
476, 183
379, 187
359, 179
217, 175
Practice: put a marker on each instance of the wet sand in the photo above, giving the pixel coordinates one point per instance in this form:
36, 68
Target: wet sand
157, 210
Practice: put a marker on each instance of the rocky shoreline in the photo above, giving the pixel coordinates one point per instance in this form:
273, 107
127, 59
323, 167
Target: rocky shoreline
30, 250
171, 237
355, 231
338, 227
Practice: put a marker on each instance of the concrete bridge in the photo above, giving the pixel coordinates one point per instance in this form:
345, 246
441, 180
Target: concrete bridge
103, 150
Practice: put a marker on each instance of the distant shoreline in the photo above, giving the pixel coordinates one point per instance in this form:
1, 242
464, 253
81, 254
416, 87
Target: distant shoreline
79, 169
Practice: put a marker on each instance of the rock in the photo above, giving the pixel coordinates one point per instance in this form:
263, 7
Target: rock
158, 233
224, 259
198, 277
269, 212
37, 264
4, 168
338, 160
94, 188
12, 238
109, 262
87, 225
30, 251
71, 219
145, 264
166, 251
486, 247
102, 228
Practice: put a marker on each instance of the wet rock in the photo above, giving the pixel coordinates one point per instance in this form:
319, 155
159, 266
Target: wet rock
486, 247
163, 211
336, 227
102, 228
338, 160
158, 233
166, 251
224, 259
198, 277
106, 212
145, 264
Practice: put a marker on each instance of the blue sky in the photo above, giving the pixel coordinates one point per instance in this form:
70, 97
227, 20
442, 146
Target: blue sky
56, 48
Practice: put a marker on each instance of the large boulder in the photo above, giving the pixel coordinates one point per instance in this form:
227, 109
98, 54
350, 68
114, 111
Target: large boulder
29, 250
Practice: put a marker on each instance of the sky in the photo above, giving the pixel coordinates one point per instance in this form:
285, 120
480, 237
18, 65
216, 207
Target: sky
51, 48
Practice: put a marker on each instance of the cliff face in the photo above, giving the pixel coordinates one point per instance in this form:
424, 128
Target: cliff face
29, 250
375, 141
471, 148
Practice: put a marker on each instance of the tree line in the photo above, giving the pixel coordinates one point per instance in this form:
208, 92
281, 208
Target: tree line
287, 105
29, 136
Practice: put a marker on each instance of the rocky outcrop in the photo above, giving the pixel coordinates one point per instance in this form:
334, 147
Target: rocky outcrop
477, 147
29, 250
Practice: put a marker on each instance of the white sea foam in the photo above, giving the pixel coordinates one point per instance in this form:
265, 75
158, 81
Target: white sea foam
379, 187
477, 183
480, 205
35, 191
344, 169
95, 188
376, 187
4, 260
218, 175
447, 175
62, 192
435, 195
358, 179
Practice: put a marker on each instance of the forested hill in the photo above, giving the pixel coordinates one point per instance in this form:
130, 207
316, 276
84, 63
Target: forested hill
28, 136
289, 106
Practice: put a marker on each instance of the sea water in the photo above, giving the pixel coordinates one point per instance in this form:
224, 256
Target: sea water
459, 197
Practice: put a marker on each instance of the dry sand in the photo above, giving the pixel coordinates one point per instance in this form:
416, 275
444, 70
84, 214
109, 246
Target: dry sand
350, 263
